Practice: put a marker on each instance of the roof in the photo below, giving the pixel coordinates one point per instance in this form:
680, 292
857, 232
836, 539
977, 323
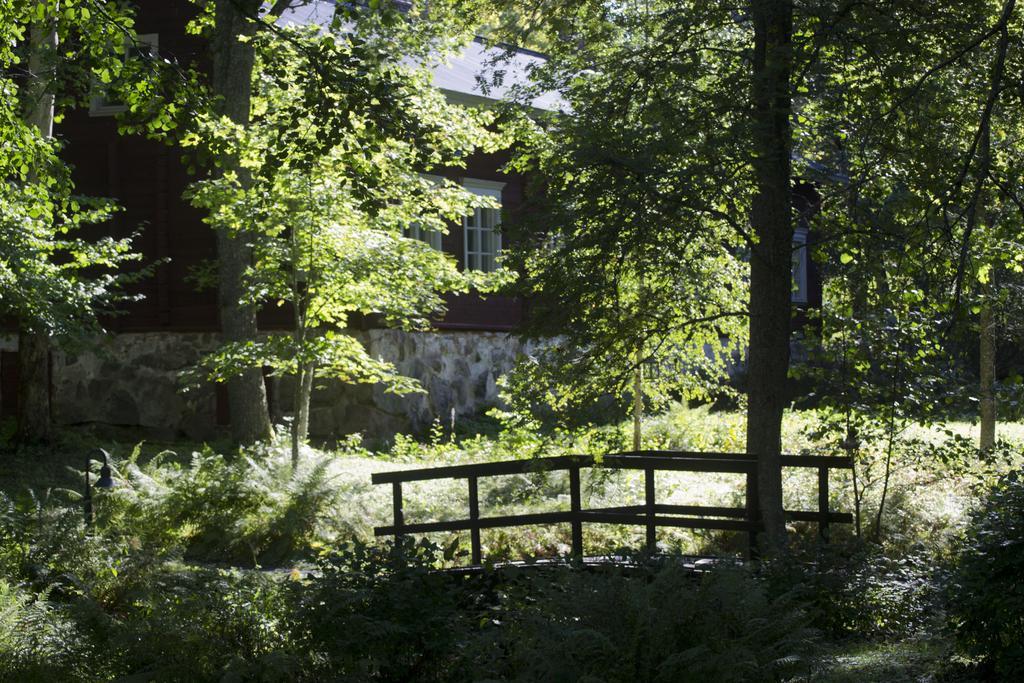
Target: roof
479, 74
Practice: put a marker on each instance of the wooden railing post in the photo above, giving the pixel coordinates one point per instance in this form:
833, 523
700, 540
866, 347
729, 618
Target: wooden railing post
652, 540
823, 503
474, 518
753, 512
576, 507
396, 506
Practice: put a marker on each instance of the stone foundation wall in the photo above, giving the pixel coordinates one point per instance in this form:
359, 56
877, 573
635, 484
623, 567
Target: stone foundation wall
131, 380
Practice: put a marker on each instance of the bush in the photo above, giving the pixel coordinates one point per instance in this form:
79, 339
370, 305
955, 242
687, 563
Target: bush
865, 593
384, 613
200, 625
987, 591
38, 642
668, 625
249, 509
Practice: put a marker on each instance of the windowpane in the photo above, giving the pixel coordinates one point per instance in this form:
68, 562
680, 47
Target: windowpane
482, 241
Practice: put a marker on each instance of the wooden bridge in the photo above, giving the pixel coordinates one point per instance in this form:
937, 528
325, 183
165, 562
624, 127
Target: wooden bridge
650, 515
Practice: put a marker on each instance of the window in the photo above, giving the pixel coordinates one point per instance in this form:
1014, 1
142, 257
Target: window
144, 46
417, 231
800, 265
431, 237
481, 234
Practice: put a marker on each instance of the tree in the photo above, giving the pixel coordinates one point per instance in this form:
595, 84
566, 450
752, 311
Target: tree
53, 283
771, 222
231, 87
669, 69
930, 199
628, 279
328, 183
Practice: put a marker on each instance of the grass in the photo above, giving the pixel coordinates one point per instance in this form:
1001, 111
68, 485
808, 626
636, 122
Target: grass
927, 501
924, 503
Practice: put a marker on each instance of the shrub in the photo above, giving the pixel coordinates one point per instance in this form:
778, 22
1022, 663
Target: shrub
249, 509
37, 640
668, 625
201, 625
987, 593
384, 613
381, 613
865, 593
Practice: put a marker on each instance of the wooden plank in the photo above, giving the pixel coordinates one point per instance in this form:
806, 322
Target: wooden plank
830, 461
753, 514
661, 460
823, 503
560, 517
637, 517
482, 469
701, 510
808, 516
396, 508
575, 505
688, 454
594, 516
474, 517
649, 503
491, 469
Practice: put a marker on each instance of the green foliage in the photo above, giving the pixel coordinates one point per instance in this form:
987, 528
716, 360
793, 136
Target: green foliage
250, 509
666, 626
118, 601
864, 593
328, 181
202, 625
632, 255
53, 281
986, 594
38, 642
385, 614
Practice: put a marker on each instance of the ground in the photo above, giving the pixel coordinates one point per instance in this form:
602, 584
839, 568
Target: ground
281, 520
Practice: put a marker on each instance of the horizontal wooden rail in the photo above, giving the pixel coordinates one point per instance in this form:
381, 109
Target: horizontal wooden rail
663, 460
650, 514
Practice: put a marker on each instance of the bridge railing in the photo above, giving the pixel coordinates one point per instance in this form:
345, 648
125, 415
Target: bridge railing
650, 515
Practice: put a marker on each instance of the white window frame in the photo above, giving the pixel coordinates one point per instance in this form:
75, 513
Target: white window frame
474, 259
99, 105
800, 290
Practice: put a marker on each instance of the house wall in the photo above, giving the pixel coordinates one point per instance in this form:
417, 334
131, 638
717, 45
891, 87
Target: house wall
132, 380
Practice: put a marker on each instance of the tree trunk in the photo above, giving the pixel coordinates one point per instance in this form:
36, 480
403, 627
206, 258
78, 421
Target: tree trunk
771, 258
232, 85
987, 353
300, 424
34, 423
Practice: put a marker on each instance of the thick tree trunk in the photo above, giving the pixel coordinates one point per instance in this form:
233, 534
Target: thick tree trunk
987, 353
771, 259
232, 85
34, 423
